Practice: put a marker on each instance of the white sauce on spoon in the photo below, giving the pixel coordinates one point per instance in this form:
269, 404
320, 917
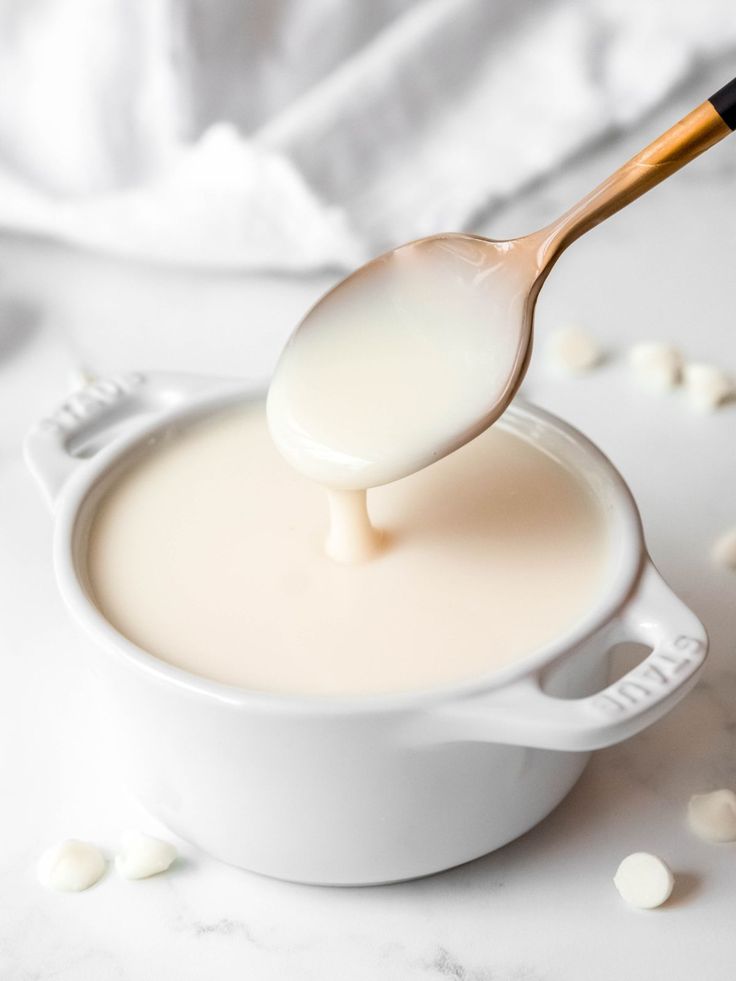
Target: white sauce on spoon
407, 360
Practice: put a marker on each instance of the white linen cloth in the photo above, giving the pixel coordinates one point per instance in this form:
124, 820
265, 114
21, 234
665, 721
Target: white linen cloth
299, 134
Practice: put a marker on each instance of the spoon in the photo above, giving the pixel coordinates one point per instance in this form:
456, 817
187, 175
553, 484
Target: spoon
421, 349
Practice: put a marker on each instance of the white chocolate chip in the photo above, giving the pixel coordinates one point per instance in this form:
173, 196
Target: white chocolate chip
71, 866
143, 855
658, 366
724, 550
573, 350
644, 880
713, 816
79, 377
707, 386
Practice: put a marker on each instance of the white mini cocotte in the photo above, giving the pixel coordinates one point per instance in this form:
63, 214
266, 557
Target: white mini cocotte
315, 789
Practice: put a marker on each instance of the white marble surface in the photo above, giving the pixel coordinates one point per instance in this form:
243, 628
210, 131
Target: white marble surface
541, 909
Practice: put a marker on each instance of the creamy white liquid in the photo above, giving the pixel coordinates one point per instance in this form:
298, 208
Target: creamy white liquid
351, 537
402, 363
209, 553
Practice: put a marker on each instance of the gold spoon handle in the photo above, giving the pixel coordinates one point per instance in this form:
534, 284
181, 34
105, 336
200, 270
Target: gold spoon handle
687, 139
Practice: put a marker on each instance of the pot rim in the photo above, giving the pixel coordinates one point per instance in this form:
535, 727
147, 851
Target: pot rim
75, 492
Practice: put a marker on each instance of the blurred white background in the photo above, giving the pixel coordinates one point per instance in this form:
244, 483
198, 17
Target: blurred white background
298, 134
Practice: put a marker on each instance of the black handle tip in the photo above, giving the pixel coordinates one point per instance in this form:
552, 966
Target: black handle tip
724, 103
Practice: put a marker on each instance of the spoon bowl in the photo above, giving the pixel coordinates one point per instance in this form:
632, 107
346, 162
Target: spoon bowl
423, 348
449, 324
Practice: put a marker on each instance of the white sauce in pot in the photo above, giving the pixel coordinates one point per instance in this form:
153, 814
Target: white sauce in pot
208, 552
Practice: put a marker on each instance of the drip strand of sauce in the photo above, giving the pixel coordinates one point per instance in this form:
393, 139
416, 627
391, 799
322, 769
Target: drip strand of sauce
351, 536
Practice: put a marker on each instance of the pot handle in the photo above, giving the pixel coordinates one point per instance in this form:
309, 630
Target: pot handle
523, 714
98, 413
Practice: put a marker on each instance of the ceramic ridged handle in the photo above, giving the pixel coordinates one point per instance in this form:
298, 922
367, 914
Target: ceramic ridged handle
701, 129
522, 713
98, 414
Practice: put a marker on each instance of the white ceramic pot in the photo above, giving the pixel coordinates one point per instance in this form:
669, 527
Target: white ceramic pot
368, 789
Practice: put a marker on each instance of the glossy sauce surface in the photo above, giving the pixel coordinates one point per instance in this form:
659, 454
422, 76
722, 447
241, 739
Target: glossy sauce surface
208, 552
403, 362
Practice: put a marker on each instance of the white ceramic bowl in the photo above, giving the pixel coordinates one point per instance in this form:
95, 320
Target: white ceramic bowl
358, 790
